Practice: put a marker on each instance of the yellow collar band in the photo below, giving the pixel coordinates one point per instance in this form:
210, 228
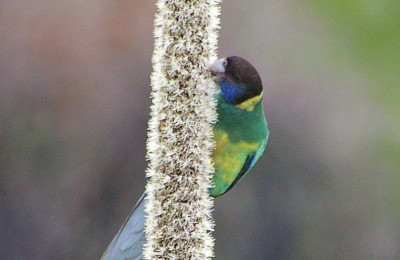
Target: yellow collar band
250, 103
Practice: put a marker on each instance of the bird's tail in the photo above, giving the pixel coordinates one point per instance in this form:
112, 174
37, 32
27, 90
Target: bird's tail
128, 242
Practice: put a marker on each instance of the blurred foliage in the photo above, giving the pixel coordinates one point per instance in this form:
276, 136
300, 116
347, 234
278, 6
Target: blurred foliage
371, 32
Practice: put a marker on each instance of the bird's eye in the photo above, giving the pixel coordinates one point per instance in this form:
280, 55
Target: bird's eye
236, 77
224, 63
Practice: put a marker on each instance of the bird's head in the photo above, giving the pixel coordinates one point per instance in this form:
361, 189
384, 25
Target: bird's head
237, 78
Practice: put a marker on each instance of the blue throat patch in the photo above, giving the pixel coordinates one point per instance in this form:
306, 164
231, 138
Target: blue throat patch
231, 92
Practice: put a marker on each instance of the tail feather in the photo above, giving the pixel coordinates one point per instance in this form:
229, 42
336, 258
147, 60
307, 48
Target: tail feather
128, 242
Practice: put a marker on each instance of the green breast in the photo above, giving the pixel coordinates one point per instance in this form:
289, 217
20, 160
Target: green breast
238, 134
242, 125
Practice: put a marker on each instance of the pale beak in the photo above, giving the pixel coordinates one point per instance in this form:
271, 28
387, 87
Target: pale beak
218, 67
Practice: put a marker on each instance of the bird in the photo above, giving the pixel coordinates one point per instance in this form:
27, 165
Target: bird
240, 133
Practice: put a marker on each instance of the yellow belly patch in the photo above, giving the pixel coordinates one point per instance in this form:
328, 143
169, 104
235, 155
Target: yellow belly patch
229, 159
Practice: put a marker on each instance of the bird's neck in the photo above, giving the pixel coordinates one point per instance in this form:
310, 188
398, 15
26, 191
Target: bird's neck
250, 103
253, 104
242, 125
232, 93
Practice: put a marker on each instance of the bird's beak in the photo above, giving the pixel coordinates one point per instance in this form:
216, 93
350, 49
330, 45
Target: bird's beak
218, 67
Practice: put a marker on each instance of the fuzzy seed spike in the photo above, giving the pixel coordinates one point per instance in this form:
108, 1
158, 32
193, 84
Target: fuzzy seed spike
180, 137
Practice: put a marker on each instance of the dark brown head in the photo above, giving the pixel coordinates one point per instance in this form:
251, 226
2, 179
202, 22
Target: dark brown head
237, 78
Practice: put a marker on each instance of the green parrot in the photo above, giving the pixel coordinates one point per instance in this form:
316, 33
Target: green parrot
241, 135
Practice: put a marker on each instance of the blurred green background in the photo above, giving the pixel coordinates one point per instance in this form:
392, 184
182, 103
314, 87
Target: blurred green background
74, 105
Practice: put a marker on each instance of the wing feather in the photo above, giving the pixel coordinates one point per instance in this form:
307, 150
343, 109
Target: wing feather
128, 243
249, 162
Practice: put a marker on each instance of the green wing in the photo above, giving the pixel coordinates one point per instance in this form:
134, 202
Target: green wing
232, 161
